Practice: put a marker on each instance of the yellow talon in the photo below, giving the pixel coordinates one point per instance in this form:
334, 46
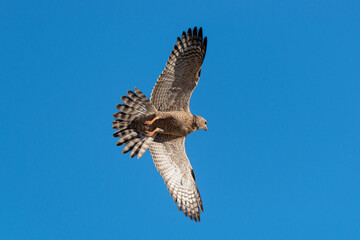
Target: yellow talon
151, 122
149, 134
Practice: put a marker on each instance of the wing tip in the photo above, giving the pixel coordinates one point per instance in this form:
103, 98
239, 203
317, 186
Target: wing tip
195, 33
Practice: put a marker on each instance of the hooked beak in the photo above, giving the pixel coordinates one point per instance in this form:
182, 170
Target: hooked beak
205, 128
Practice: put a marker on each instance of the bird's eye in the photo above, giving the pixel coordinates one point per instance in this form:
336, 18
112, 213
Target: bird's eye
205, 122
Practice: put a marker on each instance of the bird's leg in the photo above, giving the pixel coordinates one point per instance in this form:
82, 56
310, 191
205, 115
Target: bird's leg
152, 121
157, 130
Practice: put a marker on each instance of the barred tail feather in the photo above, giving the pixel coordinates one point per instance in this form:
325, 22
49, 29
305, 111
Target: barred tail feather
121, 125
142, 96
122, 133
137, 148
135, 105
127, 138
131, 144
145, 146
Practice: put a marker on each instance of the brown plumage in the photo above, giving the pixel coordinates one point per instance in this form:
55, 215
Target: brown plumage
163, 122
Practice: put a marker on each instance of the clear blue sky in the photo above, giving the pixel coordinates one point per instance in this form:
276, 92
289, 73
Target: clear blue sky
279, 88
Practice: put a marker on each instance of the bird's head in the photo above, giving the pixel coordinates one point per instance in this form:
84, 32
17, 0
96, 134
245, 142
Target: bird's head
200, 122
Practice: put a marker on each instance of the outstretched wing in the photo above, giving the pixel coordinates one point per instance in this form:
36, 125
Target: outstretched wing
170, 159
176, 83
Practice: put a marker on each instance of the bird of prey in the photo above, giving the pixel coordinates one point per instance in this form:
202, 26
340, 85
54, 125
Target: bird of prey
163, 122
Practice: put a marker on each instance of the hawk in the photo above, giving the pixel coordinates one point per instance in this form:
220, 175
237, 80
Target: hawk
163, 122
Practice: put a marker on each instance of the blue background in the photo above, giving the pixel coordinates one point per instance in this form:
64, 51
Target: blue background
279, 89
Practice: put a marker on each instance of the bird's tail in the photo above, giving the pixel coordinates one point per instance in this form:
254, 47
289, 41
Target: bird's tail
136, 105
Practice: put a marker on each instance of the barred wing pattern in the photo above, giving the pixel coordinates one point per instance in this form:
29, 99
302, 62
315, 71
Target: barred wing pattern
170, 159
176, 83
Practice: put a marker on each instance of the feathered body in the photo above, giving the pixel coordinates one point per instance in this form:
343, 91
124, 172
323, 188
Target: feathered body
174, 123
163, 122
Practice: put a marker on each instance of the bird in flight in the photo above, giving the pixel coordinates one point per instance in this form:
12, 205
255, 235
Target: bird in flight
163, 122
